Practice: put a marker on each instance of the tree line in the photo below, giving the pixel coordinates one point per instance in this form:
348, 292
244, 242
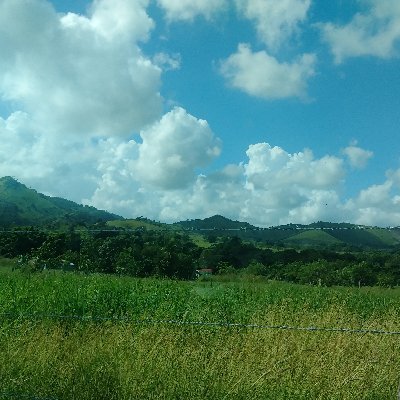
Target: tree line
173, 254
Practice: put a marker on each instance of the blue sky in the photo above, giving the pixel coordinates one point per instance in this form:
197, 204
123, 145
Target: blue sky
264, 111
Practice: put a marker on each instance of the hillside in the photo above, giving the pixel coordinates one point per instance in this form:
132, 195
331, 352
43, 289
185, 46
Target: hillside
216, 222
138, 223
21, 206
318, 234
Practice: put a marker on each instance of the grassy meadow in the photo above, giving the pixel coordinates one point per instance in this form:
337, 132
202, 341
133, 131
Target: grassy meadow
45, 355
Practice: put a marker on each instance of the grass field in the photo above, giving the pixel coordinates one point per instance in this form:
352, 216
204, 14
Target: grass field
43, 355
312, 237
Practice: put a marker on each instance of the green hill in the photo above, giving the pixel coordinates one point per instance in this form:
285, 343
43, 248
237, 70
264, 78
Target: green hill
318, 234
216, 222
21, 206
312, 238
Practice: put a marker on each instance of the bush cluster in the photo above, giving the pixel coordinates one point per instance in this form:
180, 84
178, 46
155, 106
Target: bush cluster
172, 254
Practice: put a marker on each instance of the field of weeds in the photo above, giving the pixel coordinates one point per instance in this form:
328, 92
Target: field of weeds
70, 336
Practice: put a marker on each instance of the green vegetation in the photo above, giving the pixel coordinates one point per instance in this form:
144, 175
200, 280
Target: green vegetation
217, 222
138, 223
103, 333
171, 254
390, 238
21, 206
339, 236
90, 358
312, 238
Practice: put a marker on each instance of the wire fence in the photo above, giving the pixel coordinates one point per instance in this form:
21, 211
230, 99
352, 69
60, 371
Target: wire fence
178, 322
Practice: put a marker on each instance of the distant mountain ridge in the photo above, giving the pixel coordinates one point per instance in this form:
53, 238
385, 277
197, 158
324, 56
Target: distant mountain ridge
214, 222
21, 206
217, 222
317, 234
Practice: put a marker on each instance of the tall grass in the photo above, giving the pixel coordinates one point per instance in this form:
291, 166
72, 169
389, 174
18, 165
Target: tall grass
78, 359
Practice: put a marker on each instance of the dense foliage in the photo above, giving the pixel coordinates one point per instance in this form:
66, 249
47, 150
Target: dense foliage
145, 253
138, 253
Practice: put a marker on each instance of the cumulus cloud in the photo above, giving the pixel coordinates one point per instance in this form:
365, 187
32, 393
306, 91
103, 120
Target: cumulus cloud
66, 166
116, 187
272, 187
275, 21
153, 177
76, 74
157, 177
173, 148
70, 79
286, 187
119, 19
260, 74
80, 85
272, 166
17, 135
187, 10
375, 32
358, 157
376, 205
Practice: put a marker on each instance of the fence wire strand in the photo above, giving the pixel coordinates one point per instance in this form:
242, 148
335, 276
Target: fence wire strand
177, 322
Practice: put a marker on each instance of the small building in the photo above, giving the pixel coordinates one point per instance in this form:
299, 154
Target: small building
203, 272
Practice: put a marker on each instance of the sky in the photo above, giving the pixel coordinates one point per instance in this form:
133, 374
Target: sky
264, 111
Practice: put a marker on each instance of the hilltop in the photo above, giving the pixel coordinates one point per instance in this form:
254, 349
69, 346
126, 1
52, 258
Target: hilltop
22, 206
217, 222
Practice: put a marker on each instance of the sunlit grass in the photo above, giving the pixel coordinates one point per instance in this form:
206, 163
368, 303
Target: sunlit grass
121, 361
67, 359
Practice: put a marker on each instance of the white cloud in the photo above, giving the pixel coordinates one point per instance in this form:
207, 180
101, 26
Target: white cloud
65, 166
79, 86
357, 156
376, 205
394, 177
275, 21
136, 178
287, 187
375, 195
187, 10
116, 184
75, 74
270, 167
375, 32
259, 74
173, 148
167, 62
273, 187
119, 20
